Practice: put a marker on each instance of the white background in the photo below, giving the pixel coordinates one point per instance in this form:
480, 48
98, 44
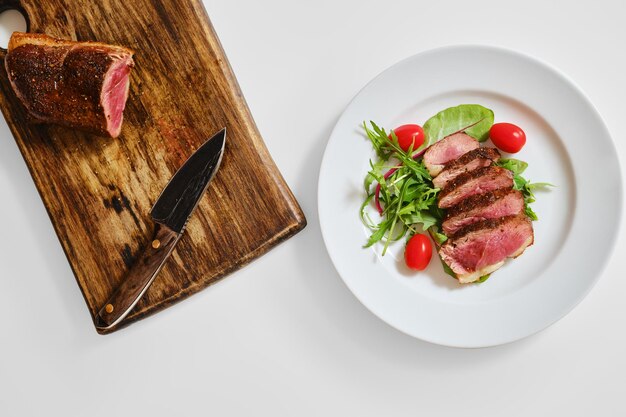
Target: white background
284, 336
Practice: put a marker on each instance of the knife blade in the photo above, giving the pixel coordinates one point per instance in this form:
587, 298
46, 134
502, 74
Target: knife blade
170, 214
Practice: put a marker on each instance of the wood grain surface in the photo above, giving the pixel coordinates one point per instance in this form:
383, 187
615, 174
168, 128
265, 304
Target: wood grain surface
98, 191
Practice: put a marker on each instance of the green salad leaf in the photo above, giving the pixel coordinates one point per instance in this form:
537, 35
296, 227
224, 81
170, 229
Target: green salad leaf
380, 141
473, 119
483, 278
406, 192
516, 166
439, 238
520, 183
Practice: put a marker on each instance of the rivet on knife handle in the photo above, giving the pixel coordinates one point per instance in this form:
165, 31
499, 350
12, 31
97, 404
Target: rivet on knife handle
147, 266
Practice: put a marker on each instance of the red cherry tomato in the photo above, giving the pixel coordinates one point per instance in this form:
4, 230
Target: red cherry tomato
409, 134
418, 252
507, 137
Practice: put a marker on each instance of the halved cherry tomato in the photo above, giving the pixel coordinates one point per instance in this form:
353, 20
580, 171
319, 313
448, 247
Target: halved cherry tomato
409, 134
418, 252
507, 137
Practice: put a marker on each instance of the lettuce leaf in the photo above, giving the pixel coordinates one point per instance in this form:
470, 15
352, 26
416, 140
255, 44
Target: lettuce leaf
520, 183
516, 166
473, 119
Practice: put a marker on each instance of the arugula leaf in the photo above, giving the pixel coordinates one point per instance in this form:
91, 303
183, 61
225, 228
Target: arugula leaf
440, 238
423, 218
473, 119
535, 185
380, 140
406, 193
516, 166
520, 183
530, 213
371, 175
380, 232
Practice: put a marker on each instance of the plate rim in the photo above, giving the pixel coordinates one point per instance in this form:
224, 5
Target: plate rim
580, 92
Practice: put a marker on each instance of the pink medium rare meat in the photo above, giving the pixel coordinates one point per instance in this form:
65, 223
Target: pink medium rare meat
474, 159
491, 205
82, 85
447, 149
475, 182
482, 248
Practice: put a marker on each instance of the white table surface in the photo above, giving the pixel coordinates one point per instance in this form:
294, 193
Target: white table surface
284, 336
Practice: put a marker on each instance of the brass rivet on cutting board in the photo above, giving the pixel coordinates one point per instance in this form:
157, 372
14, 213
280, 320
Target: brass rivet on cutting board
156, 243
108, 308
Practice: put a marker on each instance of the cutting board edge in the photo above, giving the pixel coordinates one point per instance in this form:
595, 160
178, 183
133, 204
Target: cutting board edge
56, 227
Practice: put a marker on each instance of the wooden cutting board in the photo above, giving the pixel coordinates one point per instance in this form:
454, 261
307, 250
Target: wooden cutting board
98, 191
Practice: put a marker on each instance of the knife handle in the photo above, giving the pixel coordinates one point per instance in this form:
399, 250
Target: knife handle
139, 278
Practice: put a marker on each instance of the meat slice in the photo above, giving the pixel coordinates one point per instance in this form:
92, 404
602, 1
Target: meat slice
447, 149
491, 205
483, 247
82, 85
475, 182
474, 159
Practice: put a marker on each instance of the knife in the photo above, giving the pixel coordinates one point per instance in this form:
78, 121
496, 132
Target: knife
170, 214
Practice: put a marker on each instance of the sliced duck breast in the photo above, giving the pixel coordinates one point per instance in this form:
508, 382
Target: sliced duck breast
446, 150
469, 161
491, 205
482, 248
475, 182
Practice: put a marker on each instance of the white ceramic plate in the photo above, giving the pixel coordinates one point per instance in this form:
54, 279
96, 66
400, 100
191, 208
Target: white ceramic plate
576, 230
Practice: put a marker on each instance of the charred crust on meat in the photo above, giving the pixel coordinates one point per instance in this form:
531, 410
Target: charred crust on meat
484, 153
480, 225
43, 75
468, 176
477, 201
62, 81
485, 224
